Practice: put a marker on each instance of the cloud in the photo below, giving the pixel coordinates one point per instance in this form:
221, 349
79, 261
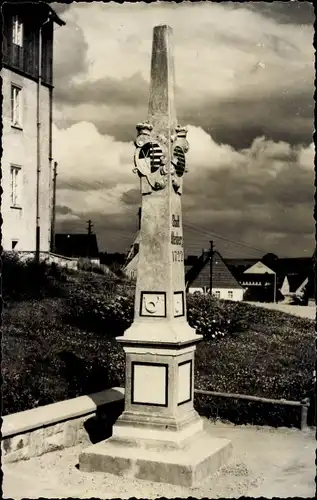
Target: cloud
293, 12
70, 52
127, 92
63, 210
93, 170
245, 83
240, 74
261, 193
60, 8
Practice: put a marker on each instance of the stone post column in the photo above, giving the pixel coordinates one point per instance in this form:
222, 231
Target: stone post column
160, 436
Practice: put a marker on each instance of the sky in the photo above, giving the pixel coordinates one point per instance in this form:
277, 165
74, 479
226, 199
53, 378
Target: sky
244, 88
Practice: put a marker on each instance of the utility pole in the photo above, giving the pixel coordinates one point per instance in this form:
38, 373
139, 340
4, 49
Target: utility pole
211, 252
90, 225
53, 208
139, 217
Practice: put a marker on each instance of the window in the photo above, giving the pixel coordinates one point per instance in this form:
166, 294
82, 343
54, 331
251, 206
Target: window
17, 31
230, 294
217, 294
15, 186
14, 244
16, 106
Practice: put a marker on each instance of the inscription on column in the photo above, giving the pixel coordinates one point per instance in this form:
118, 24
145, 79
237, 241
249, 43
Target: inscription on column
178, 255
176, 239
175, 220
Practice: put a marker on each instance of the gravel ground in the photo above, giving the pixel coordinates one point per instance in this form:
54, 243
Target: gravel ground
266, 462
301, 311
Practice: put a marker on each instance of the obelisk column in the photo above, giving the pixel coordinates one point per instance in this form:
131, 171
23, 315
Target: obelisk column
159, 436
160, 344
160, 163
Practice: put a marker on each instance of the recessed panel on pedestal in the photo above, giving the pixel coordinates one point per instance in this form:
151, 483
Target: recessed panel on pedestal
149, 384
153, 304
179, 306
184, 382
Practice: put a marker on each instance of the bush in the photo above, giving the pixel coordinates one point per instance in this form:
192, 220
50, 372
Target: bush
273, 357
95, 309
44, 362
28, 280
212, 318
248, 412
58, 348
107, 313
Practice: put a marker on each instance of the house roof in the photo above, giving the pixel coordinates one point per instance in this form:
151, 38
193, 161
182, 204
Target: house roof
259, 268
295, 281
198, 276
39, 11
76, 245
282, 266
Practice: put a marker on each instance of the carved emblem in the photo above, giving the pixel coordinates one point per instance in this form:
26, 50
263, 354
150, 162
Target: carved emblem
151, 158
180, 147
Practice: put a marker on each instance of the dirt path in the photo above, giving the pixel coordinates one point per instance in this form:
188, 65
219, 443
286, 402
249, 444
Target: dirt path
266, 462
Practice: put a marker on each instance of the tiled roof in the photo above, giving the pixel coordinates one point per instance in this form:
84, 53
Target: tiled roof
199, 275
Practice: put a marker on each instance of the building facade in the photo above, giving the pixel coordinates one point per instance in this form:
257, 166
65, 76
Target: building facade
131, 264
204, 274
27, 89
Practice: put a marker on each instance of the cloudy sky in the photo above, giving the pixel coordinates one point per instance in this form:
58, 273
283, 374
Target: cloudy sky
245, 83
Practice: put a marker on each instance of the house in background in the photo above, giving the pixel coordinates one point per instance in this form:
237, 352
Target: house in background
224, 284
293, 286
131, 264
79, 245
260, 283
277, 279
266, 280
27, 90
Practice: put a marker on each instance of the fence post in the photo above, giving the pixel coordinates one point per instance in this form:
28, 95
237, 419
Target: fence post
305, 405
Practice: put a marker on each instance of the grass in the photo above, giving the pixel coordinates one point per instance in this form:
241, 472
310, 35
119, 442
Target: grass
49, 355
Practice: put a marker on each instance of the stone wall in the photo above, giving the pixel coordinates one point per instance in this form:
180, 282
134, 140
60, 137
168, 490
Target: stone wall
76, 421
43, 440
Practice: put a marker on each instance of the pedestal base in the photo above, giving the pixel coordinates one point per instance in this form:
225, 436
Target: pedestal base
195, 460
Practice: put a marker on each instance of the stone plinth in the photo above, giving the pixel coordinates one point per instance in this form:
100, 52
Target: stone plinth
186, 465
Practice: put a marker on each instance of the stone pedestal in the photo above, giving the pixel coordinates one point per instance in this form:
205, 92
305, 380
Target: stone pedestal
186, 465
159, 436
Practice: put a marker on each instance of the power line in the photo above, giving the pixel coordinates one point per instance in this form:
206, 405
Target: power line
221, 237
188, 226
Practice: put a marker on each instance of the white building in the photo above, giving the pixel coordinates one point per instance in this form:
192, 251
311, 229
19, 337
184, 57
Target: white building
131, 263
224, 284
27, 89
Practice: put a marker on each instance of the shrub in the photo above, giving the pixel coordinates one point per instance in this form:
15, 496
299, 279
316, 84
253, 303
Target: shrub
29, 279
248, 412
273, 358
212, 318
58, 348
96, 310
44, 362
106, 313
